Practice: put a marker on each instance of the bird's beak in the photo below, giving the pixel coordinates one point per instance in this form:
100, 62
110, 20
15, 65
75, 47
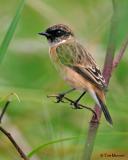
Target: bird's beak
44, 34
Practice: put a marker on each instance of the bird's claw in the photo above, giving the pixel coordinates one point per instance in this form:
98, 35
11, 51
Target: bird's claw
76, 105
59, 98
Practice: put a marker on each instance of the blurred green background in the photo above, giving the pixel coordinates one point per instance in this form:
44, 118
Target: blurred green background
27, 70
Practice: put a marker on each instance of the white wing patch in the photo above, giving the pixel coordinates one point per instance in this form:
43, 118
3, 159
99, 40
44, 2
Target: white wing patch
96, 75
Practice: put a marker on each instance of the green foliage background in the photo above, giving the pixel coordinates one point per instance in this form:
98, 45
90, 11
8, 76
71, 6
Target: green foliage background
27, 70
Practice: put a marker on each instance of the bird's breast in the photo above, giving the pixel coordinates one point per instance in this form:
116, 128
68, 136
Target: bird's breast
53, 53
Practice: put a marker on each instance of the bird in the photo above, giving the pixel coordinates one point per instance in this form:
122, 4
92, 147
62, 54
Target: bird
76, 65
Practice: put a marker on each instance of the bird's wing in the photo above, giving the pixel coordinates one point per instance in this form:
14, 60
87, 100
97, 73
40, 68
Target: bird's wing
75, 56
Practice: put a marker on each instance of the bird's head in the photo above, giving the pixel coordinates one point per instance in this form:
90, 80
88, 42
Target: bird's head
57, 33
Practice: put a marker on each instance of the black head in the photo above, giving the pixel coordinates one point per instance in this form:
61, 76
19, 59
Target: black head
57, 33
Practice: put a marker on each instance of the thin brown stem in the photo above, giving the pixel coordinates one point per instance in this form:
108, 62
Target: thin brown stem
73, 102
9, 136
119, 56
19, 150
107, 71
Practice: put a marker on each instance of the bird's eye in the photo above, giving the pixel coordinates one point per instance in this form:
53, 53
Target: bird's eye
59, 33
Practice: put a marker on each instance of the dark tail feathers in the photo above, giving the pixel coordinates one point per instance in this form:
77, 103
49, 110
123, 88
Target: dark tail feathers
105, 110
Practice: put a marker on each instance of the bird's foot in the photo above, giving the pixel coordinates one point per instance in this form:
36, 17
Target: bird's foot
59, 98
75, 105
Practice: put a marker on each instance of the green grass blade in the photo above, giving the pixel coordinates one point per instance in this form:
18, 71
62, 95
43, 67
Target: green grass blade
11, 30
42, 146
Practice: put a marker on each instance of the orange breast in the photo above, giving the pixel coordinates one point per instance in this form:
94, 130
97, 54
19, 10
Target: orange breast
53, 54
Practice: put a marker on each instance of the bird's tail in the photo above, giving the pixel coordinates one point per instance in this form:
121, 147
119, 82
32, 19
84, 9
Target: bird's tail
101, 104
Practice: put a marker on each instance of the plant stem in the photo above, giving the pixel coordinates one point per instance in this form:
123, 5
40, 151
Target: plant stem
19, 150
94, 123
4, 110
93, 127
8, 135
120, 54
72, 102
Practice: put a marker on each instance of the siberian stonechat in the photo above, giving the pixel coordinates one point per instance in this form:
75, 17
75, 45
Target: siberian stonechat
76, 64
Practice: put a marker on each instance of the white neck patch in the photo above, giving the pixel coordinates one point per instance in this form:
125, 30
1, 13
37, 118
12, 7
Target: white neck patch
52, 44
